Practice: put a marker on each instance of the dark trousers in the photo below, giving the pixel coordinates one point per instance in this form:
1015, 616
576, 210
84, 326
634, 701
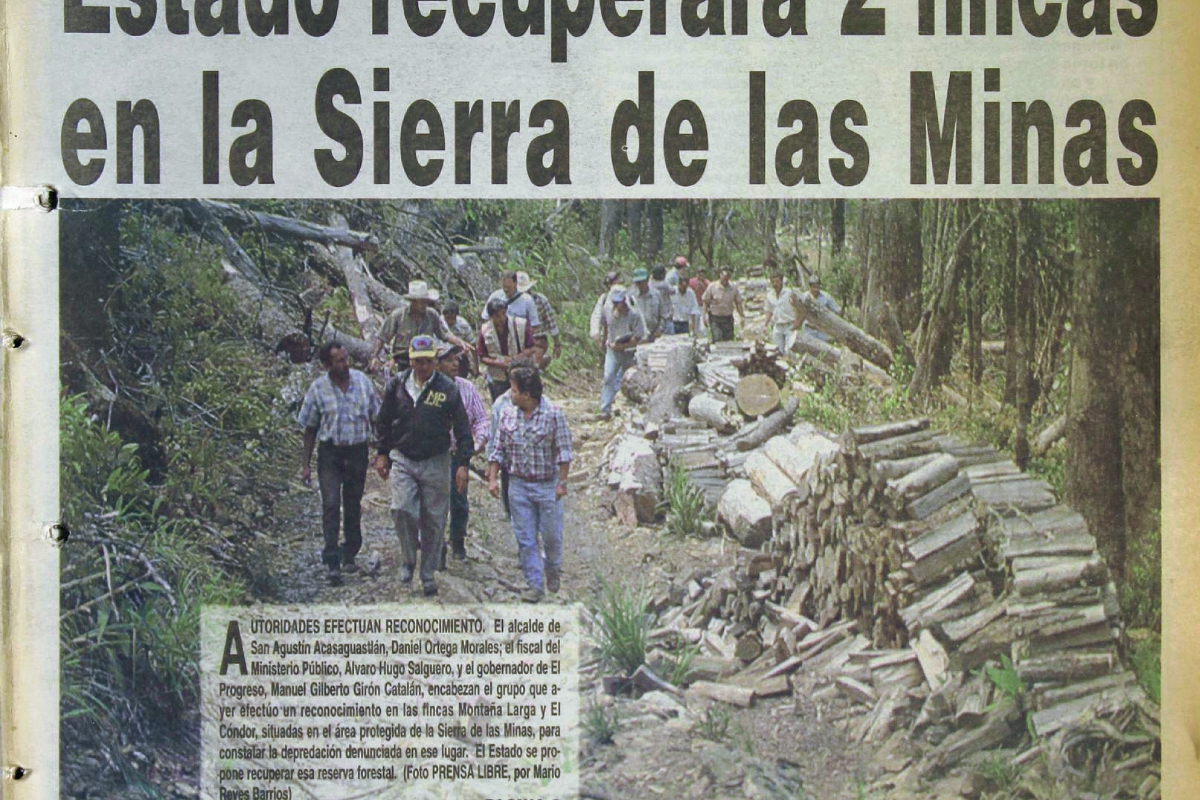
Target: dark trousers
342, 475
679, 327
721, 327
497, 388
460, 508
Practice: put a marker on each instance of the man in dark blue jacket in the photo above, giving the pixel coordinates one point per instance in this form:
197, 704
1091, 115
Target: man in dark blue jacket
421, 408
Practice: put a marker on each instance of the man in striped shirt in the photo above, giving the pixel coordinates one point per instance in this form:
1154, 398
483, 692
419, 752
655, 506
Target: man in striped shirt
533, 443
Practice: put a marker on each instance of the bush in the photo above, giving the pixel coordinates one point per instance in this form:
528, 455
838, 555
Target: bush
622, 627
686, 507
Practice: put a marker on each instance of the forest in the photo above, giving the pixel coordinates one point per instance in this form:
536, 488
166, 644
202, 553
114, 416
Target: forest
189, 330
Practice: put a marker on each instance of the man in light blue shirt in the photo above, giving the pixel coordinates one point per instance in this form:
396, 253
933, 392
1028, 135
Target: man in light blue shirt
823, 300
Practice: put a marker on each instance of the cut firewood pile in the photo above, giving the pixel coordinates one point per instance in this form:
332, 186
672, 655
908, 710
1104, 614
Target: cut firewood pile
927, 580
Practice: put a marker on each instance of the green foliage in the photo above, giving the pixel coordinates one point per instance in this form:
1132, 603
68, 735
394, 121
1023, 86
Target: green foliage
825, 408
1146, 659
1141, 592
715, 725
601, 723
685, 504
622, 627
1005, 679
999, 772
679, 667
132, 587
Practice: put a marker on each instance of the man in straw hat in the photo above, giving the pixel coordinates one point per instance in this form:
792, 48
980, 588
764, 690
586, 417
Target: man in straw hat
547, 334
415, 317
422, 413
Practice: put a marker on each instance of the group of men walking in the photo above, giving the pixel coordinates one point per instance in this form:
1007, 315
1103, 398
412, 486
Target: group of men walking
431, 420
624, 318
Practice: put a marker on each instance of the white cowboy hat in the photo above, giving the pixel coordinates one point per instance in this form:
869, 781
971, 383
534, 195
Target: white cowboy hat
419, 290
524, 282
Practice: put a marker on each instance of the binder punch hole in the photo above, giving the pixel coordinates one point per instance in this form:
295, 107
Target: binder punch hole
15, 773
46, 198
58, 533
14, 340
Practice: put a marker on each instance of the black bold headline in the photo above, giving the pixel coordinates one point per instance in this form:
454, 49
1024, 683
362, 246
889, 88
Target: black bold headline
1022, 141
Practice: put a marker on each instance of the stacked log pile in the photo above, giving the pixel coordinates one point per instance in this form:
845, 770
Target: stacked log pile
894, 563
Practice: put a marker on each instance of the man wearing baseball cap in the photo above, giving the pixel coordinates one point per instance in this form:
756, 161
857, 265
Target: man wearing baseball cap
624, 329
422, 409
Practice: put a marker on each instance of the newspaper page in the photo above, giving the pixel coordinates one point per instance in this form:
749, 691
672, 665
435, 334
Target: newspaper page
601, 399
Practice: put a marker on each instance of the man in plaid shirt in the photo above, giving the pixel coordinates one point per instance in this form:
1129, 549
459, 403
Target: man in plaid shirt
533, 443
547, 330
338, 411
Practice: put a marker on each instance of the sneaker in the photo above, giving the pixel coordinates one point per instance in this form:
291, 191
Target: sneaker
458, 550
406, 573
531, 595
429, 588
333, 575
349, 565
552, 582
603, 416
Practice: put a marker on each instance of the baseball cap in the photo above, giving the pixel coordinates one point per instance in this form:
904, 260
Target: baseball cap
640, 275
423, 347
448, 349
617, 294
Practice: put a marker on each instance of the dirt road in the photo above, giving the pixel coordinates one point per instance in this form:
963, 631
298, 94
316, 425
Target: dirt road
783, 748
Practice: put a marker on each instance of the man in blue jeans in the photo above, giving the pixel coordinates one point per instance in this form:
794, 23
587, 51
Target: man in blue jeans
623, 329
533, 443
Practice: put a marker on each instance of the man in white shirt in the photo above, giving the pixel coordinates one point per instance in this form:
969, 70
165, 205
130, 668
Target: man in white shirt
685, 308
783, 312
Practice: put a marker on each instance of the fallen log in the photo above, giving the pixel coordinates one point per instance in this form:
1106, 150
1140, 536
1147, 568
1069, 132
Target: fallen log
290, 227
678, 371
923, 480
756, 395
713, 411
771, 425
771, 481
1056, 430
724, 693
874, 433
850, 335
746, 514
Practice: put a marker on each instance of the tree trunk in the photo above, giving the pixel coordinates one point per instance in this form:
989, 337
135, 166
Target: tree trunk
770, 221
89, 237
1113, 425
1008, 303
837, 225
634, 214
653, 237
896, 265
933, 363
610, 223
